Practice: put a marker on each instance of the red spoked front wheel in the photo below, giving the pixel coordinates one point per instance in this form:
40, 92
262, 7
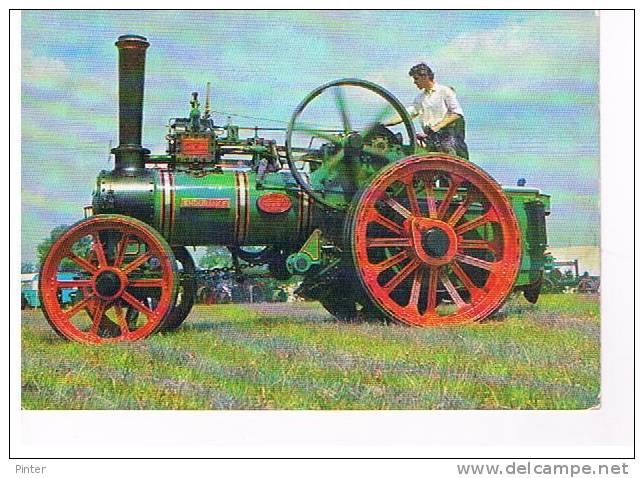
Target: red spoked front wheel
435, 241
108, 278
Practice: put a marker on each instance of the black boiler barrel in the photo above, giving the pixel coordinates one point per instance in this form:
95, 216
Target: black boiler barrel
130, 154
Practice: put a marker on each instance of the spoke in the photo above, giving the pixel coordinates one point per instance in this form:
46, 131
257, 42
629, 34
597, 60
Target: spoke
329, 166
309, 160
146, 283
399, 208
341, 103
489, 216
120, 250
460, 211
69, 313
431, 199
130, 299
466, 281
137, 262
387, 223
474, 244
432, 289
88, 266
120, 315
414, 295
413, 200
388, 242
496, 246
401, 275
451, 191
334, 160
476, 262
391, 261
382, 114
98, 312
68, 284
451, 290
97, 247
320, 134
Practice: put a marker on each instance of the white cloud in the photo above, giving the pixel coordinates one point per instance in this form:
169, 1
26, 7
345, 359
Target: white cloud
556, 48
524, 54
43, 70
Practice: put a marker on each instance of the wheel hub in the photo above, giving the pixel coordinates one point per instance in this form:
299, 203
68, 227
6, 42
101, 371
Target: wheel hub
435, 242
108, 283
353, 146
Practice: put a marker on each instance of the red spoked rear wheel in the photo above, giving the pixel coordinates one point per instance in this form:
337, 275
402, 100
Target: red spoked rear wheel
435, 241
108, 278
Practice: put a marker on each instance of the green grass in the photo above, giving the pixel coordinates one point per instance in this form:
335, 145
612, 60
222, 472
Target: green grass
295, 356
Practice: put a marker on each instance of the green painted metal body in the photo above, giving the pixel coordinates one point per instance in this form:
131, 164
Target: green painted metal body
530, 208
221, 207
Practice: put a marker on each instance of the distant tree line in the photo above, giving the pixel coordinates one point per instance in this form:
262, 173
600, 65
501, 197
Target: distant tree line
81, 248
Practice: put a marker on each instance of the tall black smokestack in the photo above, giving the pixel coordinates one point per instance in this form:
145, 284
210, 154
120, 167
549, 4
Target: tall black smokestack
129, 154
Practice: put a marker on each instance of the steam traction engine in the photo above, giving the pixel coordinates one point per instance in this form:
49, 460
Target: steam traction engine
376, 226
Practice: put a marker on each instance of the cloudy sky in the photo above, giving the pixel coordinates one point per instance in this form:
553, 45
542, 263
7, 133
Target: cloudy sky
527, 81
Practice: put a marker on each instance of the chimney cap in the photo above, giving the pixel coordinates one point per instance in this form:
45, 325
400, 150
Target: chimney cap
131, 37
132, 41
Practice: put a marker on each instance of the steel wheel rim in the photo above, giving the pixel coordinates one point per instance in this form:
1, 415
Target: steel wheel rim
431, 252
187, 286
106, 303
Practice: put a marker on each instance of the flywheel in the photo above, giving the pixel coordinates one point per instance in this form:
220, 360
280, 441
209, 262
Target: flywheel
336, 141
434, 241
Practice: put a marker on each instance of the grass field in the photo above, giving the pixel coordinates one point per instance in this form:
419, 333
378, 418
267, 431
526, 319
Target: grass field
295, 356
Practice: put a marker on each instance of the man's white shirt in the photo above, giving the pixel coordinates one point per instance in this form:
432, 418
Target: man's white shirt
433, 105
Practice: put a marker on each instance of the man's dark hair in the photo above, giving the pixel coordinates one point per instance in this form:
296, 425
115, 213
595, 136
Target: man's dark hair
421, 70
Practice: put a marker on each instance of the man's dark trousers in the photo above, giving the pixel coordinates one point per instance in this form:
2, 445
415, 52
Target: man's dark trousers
450, 139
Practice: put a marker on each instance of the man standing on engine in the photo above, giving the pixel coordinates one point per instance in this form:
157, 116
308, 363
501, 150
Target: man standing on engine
440, 114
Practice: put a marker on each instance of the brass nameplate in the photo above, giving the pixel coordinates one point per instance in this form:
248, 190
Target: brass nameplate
206, 203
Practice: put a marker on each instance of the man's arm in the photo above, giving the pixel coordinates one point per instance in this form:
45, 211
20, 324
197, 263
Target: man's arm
413, 110
449, 118
392, 121
396, 119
